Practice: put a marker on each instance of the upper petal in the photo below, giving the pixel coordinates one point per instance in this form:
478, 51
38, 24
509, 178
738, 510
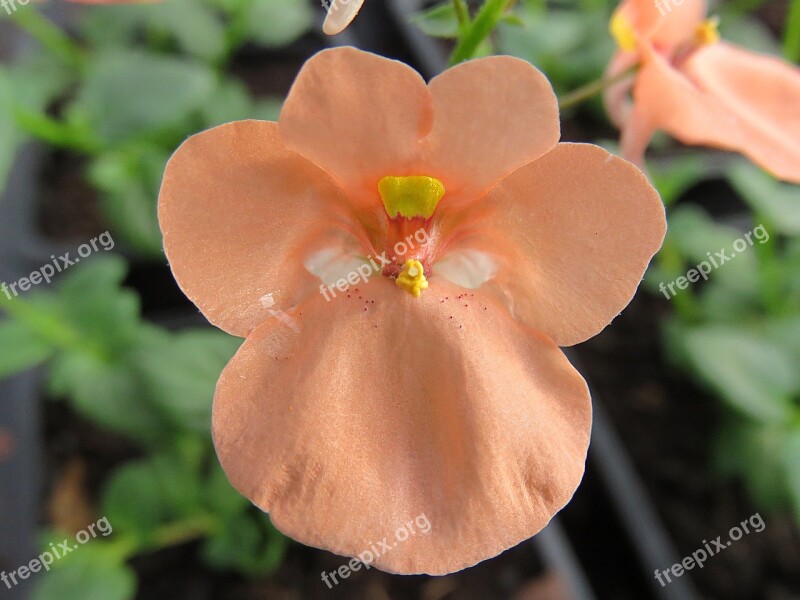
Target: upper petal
383, 408
728, 98
491, 116
239, 213
362, 117
358, 116
573, 233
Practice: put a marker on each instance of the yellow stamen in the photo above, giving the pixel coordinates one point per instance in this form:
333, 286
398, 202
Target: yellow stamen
623, 32
412, 278
411, 196
707, 32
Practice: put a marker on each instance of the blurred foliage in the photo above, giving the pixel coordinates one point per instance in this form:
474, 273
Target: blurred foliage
145, 77
738, 333
153, 386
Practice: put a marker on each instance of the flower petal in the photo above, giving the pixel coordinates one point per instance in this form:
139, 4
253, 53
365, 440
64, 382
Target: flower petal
763, 93
748, 114
382, 409
616, 96
358, 116
239, 214
340, 14
491, 116
573, 233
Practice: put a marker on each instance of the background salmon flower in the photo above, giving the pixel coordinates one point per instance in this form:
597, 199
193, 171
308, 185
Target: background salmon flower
344, 419
701, 90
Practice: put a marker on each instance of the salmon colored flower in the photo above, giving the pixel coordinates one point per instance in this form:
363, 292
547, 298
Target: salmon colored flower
699, 89
340, 14
432, 385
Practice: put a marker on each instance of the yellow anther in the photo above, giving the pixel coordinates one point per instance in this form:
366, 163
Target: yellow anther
623, 32
411, 196
412, 278
707, 32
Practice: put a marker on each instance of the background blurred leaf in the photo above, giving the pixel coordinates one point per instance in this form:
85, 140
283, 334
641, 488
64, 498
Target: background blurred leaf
180, 376
778, 202
142, 496
248, 544
129, 178
274, 24
746, 30
128, 94
696, 235
438, 21
751, 373
108, 393
21, 348
755, 452
89, 573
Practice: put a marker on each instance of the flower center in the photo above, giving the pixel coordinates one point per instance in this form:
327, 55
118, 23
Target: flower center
623, 32
412, 278
707, 32
411, 235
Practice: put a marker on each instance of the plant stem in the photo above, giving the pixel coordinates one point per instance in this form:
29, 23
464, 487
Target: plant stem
769, 269
593, 88
791, 37
481, 27
462, 13
173, 534
49, 36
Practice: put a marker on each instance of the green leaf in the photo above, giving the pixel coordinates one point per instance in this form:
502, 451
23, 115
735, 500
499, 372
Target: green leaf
133, 500
132, 93
93, 301
108, 393
181, 375
439, 21
785, 332
248, 544
230, 101
699, 239
791, 461
751, 373
88, 573
748, 31
220, 496
142, 496
274, 24
130, 178
755, 452
196, 28
674, 178
778, 202
20, 348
